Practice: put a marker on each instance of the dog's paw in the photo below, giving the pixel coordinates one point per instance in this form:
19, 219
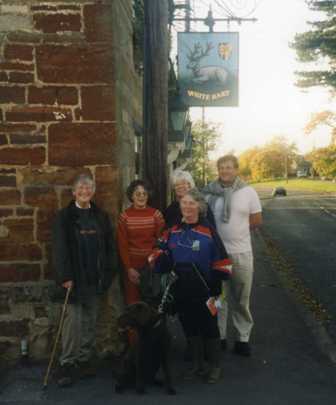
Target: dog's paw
119, 389
171, 391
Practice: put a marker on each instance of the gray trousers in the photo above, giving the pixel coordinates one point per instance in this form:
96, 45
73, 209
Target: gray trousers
238, 291
79, 331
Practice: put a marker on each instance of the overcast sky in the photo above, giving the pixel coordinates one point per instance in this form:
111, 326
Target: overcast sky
270, 103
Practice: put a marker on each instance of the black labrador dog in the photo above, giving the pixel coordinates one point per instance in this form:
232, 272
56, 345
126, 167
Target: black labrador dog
143, 360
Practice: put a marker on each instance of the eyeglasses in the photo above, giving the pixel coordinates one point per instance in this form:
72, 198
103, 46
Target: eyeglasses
140, 194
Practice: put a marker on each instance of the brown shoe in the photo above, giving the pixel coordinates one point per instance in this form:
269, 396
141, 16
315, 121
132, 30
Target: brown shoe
65, 375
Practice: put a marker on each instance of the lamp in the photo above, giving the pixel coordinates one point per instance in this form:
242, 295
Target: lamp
178, 118
178, 113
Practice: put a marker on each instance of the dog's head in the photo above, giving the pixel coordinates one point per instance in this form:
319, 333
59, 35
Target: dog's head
138, 315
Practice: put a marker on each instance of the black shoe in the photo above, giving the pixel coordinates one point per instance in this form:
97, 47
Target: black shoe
66, 375
242, 349
86, 369
223, 344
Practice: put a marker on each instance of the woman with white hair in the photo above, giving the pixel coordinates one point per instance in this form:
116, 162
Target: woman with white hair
194, 250
182, 182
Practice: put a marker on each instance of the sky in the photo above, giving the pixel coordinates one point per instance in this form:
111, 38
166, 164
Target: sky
270, 103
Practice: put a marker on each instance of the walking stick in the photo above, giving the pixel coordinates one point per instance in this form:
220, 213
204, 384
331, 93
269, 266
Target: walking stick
60, 327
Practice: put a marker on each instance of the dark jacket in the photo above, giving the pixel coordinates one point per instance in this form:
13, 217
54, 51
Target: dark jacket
66, 251
196, 253
173, 215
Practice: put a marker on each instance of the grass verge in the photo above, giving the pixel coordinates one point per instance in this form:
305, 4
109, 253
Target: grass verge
317, 186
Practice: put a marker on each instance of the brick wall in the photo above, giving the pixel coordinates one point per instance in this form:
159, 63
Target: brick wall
68, 99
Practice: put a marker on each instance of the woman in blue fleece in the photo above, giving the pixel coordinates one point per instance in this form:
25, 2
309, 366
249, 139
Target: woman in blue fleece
195, 251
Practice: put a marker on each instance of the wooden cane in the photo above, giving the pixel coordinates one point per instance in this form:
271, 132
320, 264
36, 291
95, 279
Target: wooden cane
60, 328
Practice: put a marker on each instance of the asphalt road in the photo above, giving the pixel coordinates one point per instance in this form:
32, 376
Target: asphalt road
286, 367
303, 227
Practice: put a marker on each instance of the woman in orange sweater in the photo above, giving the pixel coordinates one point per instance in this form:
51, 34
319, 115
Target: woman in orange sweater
138, 229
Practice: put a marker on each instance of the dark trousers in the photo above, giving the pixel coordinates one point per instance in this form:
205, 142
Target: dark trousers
197, 320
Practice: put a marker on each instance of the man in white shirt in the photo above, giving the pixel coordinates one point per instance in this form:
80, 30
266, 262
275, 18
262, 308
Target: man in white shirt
237, 210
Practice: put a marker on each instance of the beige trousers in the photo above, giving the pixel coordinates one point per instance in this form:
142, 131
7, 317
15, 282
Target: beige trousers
237, 292
79, 331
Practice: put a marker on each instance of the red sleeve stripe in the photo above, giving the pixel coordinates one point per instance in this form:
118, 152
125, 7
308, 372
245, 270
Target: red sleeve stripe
203, 230
223, 265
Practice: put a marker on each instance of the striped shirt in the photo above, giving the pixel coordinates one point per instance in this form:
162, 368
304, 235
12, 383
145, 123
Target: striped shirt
138, 230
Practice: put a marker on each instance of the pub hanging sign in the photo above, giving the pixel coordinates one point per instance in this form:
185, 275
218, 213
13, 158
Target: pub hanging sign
208, 68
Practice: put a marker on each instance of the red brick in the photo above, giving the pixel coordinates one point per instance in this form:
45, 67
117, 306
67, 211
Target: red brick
21, 77
43, 197
10, 273
17, 127
98, 103
50, 177
10, 197
22, 52
7, 181
3, 77
45, 220
38, 114
3, 139
22, 139
98, 23
81, 144
24, 212
107, 187
16, 66
24, 36
14, 328
22, 156
75, 63
12, 94
19, 251
51, 95
66, 197
52, 23
41, 95
20, 230
67, 95
5, 212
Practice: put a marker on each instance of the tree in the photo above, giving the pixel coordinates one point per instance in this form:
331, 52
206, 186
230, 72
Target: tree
245, 160
327, 118
269, 161
324, 161
318, 45
204, 141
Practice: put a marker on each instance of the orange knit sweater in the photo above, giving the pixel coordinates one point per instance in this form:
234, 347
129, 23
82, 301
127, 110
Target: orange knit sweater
138, 230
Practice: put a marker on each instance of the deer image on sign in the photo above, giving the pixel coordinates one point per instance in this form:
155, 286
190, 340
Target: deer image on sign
208, 68
205, 73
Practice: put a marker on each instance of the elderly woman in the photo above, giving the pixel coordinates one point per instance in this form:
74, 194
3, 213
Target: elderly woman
182, 182
193, 249
84, 258
138, 229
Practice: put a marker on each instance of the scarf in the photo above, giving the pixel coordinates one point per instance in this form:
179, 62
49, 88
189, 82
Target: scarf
217, 189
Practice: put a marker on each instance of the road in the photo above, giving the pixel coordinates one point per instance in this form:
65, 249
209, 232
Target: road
303, 227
